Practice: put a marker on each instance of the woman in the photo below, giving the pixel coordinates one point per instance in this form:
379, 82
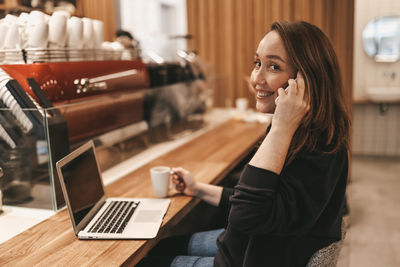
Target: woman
288, 202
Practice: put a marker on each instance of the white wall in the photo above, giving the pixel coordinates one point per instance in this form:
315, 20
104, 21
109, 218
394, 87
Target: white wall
153, 21
366, 71
375, 127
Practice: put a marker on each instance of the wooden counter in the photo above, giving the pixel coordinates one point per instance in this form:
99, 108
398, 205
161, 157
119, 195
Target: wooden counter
209, 157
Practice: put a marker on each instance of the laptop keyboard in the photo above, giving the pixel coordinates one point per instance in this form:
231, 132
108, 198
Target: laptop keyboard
115, 217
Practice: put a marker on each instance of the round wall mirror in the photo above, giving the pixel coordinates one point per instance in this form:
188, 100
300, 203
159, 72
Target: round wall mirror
381, 38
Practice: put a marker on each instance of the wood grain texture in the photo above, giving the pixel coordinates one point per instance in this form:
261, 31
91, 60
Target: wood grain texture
103, 10
209, 157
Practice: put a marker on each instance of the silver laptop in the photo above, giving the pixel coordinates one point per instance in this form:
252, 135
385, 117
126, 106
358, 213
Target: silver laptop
93, 215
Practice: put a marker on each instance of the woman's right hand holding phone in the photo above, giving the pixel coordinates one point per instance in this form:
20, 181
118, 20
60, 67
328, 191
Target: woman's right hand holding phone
291, 107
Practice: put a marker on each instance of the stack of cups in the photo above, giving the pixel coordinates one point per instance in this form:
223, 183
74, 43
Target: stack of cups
38, 31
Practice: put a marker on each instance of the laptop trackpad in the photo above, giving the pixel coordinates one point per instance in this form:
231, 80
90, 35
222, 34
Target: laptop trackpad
146, 216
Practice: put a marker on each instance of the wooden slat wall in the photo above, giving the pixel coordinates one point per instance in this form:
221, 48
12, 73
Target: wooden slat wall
227, 32
103, 10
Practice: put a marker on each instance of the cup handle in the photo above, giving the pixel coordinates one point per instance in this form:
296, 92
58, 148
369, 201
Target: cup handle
172, 185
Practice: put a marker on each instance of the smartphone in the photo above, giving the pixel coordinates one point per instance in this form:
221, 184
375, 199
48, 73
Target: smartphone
286, 90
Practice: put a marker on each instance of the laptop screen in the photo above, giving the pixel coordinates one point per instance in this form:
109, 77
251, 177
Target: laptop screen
83, 183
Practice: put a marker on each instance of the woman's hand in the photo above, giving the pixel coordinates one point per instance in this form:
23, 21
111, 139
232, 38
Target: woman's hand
184, 182
291, 107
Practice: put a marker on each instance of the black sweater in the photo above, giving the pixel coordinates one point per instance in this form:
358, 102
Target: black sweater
281, 220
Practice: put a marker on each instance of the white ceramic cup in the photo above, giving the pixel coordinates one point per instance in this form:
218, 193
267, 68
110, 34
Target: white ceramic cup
58, 29
75, 33
38, 35
23, 18
88, 33
3, 34
10, 19
160, 177
35, 16
13, 37
241, 104
22, 21
98, 32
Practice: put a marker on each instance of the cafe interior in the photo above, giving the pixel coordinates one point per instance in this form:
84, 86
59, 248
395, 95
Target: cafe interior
166, 83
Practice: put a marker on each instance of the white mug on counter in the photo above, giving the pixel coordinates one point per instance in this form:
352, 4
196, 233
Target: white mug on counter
241, 104
160, 177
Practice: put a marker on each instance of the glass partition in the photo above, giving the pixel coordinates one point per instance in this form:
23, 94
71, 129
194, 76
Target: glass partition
25, 159
33, 140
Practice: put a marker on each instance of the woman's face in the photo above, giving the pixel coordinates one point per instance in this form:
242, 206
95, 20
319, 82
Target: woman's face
271, 71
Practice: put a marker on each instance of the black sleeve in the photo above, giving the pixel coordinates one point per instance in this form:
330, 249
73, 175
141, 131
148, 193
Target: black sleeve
265, 202
226, 194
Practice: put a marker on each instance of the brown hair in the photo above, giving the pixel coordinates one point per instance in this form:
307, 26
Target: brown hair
326, 127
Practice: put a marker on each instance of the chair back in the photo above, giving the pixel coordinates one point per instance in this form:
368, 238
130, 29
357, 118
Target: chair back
328, 256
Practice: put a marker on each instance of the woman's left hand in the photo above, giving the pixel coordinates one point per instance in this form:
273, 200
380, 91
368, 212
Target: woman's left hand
291, 107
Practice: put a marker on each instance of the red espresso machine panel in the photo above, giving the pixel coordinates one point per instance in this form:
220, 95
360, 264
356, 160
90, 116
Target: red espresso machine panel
93, 96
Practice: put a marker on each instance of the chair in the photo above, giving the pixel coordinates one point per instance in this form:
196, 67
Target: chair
328, 256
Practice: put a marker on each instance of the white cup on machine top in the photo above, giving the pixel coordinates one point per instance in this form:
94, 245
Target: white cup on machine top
3, 33
58, 29
98, 32
13, 37
160, 179
75, 33
38, 35
23, 18
35, 16
88, 33
10, 19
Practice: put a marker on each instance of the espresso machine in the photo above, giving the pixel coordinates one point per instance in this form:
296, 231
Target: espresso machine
55, 100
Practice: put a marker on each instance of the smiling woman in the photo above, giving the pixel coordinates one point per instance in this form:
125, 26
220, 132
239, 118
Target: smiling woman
289, 200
